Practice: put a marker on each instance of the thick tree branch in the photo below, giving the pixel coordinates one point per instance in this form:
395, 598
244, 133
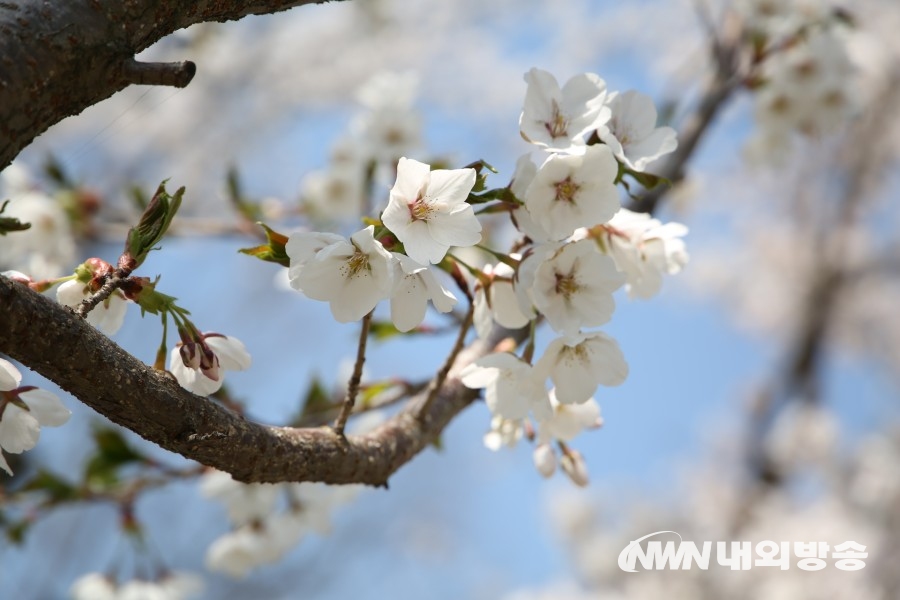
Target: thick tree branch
58, 58
65, 349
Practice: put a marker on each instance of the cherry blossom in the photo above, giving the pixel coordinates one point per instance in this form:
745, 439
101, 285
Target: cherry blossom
496, 301
632, 133
107, 316
644, 249
511, 387
578, 364
335, 192
557, 119
569, 420
414, 286
572, 191
544, 460
573, 287
244, 502
47, 247
197, 365
574, 466
352, 276
23, 411
504, 432
428, 212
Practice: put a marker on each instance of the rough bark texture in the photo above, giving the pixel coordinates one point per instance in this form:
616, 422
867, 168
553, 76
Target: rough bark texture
65, 349
58, 57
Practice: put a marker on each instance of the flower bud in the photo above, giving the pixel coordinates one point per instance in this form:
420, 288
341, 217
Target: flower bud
190, 355
545, 460
574, 466
209, 362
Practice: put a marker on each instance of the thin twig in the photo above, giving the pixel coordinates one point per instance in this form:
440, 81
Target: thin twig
353, 385
114, 282
435, 386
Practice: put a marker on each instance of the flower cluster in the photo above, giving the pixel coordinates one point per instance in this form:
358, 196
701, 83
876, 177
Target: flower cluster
427, 214
581, 246
803, 81
171, 585
262, 534
23, 411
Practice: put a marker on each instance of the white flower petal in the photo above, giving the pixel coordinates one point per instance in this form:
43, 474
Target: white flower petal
9, 376
19, 430
46, 407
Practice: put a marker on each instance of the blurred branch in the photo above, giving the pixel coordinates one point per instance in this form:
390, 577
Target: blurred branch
727, 78
860, 162
49, 339
62, 57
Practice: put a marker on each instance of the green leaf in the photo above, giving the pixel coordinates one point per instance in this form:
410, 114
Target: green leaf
154, 302
8, 224
55, 171
113, 452
54, 486
316, 402
16, 530
273, 250
480, 178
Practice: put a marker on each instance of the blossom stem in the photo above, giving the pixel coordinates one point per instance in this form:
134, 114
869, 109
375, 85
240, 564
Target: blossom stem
435, 386
353, 384
114, 282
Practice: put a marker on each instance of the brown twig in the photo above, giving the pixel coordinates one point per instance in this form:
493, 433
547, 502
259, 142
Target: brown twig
434, 387
353, 384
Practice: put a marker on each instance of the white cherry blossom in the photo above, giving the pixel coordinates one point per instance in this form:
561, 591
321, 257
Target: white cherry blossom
558, 119
255, 544
107, 316
572, 191
504, 432
573, 287
202, 374
414, 286
428, 212
23, 411
574, 466
511, 387
244, 502
544, 459
335, 192
302, 247
569, 420
578, 364
496, 302
644, 249
352, 276
632, 133
47, 247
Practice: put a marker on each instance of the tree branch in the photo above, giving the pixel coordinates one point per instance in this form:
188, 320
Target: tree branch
58, 58
65, 349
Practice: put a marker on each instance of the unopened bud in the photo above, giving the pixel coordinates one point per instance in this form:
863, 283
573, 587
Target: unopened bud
574, 466
209, 362
545, 460
190, 355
